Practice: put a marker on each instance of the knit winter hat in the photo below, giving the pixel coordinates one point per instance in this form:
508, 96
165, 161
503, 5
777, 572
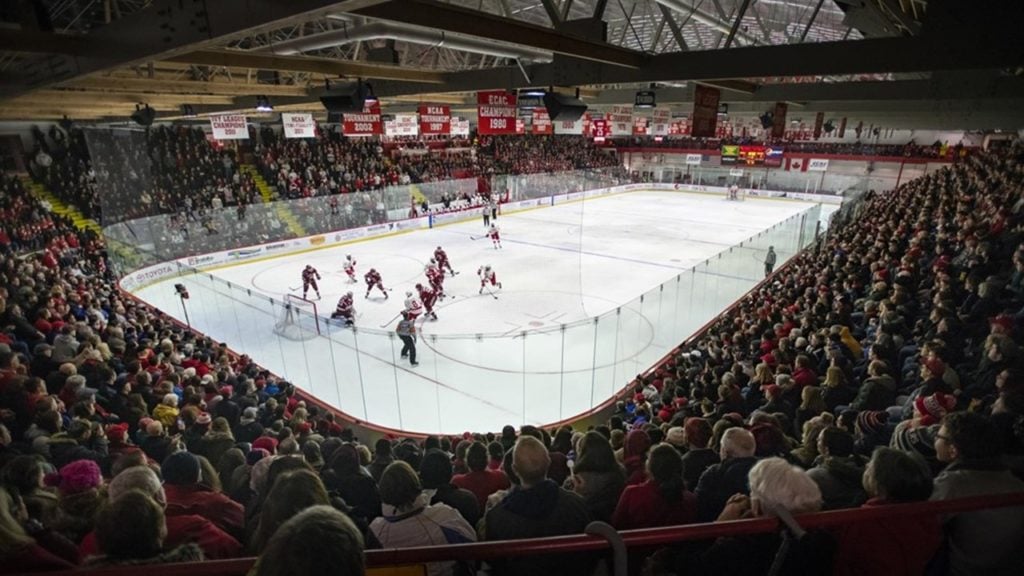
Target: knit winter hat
872, 422
181, 468
267, 443
933, 408
78, 476
920, 440
117, 433
249, 415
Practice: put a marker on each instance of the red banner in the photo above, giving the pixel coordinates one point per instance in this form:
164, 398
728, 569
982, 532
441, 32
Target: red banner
819, 120
542, 122
496, 110
435, 119
599, 129
366, 124
842, 127
779, 119
705, 111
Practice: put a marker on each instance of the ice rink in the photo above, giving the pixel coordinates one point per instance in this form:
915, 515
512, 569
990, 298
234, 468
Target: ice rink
492, 361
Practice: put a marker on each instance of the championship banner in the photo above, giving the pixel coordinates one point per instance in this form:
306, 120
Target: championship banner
639, 126
658, 128
541, 122
460, 127
402, 125
842, 127
819, 120
366, 124
779, 120
520, 126
569, 128
298, 125
620, 121
496, 110
229, 127
704, 119
435, 119
599, 129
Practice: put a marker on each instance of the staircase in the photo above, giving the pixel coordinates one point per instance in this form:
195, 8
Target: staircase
280, 208
59, 207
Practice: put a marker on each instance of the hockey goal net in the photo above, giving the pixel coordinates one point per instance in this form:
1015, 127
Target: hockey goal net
736, 193
297, 318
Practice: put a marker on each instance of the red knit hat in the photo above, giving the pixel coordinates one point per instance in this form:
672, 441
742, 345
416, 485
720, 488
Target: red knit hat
933, 408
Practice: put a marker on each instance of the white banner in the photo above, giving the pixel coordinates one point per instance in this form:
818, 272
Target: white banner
662, 114
693, 159
298, 125
658, 129
402, 125
735, 172
575, 128
817, 165
460, 127
229, 127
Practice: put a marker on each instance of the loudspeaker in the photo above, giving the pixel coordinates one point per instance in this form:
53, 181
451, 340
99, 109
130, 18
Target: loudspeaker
562, 108
349, 98
144, 116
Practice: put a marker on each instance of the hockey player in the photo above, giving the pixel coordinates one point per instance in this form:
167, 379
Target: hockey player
350, 269
495, 236
428, 297
442, 260
373, 280
345, 309
309, 278
413, 308
734, 192
436, 278
486, 275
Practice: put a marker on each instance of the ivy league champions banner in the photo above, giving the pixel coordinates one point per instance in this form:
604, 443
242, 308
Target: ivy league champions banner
435, 119
366, 124
541, 122
496, 110
229, 127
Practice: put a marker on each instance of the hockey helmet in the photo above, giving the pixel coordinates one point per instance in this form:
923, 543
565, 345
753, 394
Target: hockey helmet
408, 293
487, 267
419, 286
349, 294
373, 269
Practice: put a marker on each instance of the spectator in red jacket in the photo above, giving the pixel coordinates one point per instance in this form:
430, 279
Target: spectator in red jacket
480, 480
181, 529
901, 545
186, 496
662, 500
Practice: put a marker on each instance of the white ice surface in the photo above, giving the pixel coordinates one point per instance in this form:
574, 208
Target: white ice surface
558, 265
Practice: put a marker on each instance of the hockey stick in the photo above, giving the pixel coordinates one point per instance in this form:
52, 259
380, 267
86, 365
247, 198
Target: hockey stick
294, 289
491, 292
384, 325
477, 237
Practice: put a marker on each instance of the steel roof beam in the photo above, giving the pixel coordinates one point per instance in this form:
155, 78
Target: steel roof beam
460, 20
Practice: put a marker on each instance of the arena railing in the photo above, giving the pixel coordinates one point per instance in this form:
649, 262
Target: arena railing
610, 544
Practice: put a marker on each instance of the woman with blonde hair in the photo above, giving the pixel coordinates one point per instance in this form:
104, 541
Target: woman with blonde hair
835, 390
812, 403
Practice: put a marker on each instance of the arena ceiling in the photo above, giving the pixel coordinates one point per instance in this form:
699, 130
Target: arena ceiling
897, 63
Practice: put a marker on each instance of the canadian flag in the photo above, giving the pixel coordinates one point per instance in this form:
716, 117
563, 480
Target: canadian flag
796, 164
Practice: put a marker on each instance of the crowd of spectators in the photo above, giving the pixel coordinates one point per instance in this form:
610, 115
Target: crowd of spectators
880, 367
909, 150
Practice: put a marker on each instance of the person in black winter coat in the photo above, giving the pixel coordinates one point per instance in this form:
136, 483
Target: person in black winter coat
721, 481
